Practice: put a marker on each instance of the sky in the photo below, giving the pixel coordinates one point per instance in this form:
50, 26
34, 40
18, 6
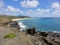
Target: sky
33, 8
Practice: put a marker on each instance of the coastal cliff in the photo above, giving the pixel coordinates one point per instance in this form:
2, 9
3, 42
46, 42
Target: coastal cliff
12, 36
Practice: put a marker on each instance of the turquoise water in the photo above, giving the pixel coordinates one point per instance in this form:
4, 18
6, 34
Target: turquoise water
43, 24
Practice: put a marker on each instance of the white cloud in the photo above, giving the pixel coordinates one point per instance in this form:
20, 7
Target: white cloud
56, 5
1, 3
13, 9
47, 10
53, 11
39, 12
44, 12
29, 3
10, 10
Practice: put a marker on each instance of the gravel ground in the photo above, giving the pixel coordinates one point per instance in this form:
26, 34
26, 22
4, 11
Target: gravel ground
20, 39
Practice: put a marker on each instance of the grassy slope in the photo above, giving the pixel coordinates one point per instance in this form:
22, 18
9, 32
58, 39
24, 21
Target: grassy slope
4, 19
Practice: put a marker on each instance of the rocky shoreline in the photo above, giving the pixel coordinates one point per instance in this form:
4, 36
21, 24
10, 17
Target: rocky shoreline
28, 37
44, 38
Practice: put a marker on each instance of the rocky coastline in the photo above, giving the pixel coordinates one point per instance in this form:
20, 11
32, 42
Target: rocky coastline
27, 37
44, 38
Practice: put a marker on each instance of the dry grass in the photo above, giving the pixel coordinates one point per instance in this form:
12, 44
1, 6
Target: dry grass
3, 19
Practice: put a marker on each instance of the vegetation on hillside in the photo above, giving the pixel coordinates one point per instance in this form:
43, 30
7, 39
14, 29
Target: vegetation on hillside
5, 18
10, 36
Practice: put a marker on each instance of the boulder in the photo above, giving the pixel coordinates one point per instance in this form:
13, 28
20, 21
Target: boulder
31, 31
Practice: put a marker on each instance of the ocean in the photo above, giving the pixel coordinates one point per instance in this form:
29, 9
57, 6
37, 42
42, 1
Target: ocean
43, 24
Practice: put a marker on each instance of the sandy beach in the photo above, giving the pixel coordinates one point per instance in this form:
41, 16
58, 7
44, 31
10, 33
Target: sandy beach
17, 19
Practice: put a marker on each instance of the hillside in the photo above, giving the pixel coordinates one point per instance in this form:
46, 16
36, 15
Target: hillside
5, 18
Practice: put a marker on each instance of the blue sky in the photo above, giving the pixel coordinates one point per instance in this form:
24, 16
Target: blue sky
33, 8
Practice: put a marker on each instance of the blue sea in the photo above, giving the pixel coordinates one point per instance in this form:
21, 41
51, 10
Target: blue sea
43, 24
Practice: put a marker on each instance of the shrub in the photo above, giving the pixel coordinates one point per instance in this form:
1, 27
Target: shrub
10, 36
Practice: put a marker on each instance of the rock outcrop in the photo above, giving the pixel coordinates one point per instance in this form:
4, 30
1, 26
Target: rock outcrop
31, 31
44, 38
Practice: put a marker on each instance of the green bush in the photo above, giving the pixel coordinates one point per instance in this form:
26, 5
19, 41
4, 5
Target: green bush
10, 36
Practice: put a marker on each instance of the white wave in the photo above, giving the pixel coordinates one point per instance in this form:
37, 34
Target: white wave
56, 31
22, 26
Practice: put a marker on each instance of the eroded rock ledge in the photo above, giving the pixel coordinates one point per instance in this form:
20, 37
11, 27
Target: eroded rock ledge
44, 38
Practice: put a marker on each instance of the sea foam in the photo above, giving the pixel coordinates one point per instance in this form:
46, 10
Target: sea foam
56, 31
22, 25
